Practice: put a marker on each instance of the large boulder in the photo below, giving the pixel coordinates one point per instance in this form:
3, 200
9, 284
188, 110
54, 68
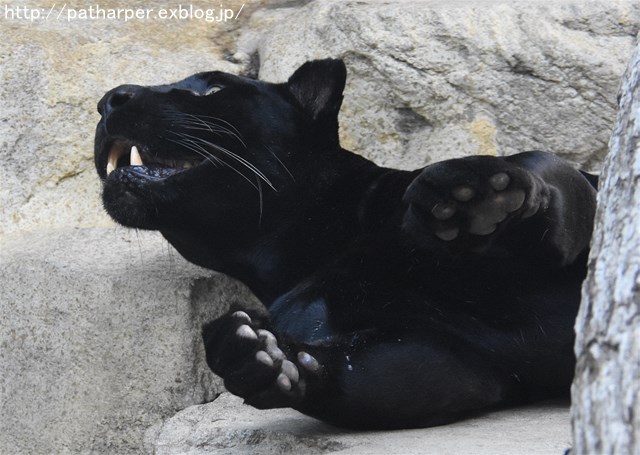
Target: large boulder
606, 388
430, 80
100, 338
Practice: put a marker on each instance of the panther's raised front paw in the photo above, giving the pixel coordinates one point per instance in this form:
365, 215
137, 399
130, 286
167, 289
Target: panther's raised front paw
470, 199
253, 365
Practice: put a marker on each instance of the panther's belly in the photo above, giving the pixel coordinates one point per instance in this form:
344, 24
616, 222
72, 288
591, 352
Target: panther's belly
301, 319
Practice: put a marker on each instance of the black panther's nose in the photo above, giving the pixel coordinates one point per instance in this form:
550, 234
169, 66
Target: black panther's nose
116, 98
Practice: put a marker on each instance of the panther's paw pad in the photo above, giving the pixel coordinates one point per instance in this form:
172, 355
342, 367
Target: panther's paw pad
509, 201
488, 213
241, 316
288, 376
264, 358
463, 193
455, 202
499, 181
447, 234
308, 362
272, 357
469, 202
246, 332
255, 365
270, 345
488, 210
443, 210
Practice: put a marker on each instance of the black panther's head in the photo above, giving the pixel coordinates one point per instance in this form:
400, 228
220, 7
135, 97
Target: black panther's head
225, 140
216, 161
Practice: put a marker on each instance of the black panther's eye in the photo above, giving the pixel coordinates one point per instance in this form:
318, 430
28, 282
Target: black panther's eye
211, 90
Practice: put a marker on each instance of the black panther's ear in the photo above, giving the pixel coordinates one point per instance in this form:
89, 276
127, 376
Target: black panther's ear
318, 86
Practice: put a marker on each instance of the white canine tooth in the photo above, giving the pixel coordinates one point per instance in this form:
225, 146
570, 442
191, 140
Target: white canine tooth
112, 162
134, 158
115, 153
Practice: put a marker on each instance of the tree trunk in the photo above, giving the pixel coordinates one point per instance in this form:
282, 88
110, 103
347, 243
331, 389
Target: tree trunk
606, 389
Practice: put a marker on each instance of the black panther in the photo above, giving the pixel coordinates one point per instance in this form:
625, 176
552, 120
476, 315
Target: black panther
396, 299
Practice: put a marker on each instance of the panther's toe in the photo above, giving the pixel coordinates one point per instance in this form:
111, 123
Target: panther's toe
288, 377
308, 362
241, 316
447, 234
463, 193
499, 181
264, 358
246, 332
510, 201
443, 211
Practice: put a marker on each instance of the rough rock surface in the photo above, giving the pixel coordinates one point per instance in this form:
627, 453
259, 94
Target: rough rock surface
430, 80
228, 427
99, 338
606, 389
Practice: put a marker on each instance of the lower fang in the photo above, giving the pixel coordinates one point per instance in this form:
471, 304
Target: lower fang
134, 158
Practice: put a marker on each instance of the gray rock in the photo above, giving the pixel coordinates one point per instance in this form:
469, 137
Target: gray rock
100, 338
430, 80
226, 426
606, 388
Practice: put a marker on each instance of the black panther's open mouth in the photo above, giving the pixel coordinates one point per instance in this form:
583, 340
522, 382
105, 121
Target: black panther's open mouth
124, 153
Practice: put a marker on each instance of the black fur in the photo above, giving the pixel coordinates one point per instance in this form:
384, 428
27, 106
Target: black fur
396, 299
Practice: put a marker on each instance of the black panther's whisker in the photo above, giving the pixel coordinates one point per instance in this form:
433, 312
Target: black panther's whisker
213, 124
260, 201
206, 155
205, 126
196, 123
232, 155
193, 146
218, 119
279, 161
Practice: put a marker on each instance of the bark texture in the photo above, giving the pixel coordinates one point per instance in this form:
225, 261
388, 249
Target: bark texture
606, 389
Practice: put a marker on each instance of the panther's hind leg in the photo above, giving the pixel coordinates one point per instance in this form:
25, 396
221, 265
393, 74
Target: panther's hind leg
364, 379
